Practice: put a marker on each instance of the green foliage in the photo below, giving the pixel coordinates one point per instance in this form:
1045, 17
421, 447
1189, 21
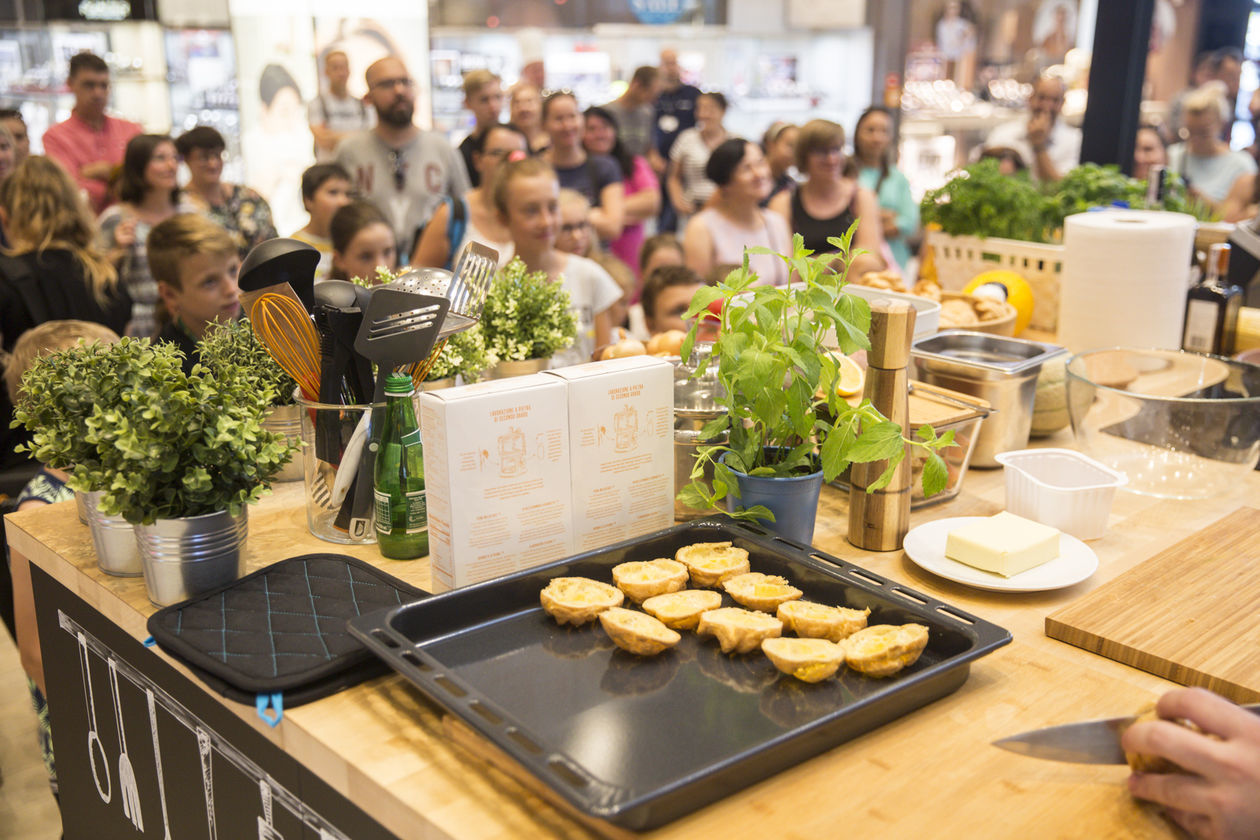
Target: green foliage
231, 350
526, 316
778, 381
159, 444
980, 201
465, 354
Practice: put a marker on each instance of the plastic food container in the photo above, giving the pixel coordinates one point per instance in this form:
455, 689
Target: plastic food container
944, 410
1061, 488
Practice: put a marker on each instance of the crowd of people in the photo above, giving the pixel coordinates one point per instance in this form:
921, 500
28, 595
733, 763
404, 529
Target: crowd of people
632, 206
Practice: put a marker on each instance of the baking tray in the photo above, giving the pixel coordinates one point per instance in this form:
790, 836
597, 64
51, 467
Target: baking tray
641, 741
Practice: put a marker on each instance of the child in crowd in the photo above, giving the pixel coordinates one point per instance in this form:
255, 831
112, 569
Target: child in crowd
575, 224
195, 264
659, 250
325, 190
47, 487
362, 241
667, 292
526, 193
623, 276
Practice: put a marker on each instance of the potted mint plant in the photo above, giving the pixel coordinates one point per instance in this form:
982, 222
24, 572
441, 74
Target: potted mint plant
465, 355
59, 392
785, 423
526, 319
231, 350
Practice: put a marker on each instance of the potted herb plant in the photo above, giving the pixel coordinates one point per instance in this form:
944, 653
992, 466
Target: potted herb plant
59, 392
177, 455
465, 355
785, 422
231, 350
526, 318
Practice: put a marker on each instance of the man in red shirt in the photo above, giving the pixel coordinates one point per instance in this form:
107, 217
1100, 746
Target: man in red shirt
91, 143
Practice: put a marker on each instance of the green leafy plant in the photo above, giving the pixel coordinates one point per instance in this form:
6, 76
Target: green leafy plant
980, 201
158, 443
231, 350
465, 354
526, 316
778, 382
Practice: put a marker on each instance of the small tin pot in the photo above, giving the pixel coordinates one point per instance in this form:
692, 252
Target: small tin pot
189, 556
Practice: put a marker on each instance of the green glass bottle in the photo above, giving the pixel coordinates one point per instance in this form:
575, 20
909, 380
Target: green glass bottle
402, 515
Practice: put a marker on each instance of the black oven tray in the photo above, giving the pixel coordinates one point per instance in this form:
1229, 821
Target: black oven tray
641, 741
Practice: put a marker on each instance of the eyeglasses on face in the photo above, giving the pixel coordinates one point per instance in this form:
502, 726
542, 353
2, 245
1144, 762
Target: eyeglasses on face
383, 84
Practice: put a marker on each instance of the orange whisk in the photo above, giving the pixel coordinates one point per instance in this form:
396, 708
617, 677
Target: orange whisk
281, 323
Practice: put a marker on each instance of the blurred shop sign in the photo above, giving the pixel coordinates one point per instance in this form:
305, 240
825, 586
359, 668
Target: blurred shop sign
826, 14
657, 12
100, 10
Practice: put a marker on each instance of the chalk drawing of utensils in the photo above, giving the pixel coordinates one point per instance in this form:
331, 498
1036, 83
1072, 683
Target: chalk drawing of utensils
207, 783
157, 760
95, 746
266, 830
126, 773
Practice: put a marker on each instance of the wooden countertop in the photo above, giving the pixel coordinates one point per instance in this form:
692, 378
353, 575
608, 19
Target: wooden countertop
932, 773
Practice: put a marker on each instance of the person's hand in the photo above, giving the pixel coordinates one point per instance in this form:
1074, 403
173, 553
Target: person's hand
1219, 795
1039, 125
99, 171
889, 219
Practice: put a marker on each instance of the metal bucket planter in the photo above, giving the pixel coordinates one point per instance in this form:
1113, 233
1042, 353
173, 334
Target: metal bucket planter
508, 369
192, 555
114, 539
287, 420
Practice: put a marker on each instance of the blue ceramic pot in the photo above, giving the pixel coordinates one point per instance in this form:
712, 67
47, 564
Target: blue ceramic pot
794, 501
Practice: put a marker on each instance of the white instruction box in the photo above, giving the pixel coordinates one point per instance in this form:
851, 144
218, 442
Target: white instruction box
496, 470
621, 440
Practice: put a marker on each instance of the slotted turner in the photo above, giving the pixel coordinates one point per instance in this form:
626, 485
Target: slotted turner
398, 327
466, 289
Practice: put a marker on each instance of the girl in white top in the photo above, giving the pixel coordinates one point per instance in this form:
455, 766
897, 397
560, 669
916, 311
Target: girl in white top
734, 218
526, 195
480, 220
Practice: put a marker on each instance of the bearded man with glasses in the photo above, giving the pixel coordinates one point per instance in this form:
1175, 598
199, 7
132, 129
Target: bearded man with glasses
402, 169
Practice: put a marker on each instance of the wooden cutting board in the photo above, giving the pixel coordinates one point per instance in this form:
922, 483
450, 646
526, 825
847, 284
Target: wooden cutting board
1190, 614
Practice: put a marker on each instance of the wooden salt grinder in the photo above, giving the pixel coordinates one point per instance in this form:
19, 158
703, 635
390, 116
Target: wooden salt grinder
878, 521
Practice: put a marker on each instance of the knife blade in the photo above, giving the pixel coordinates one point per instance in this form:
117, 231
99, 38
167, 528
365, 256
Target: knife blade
1085, 742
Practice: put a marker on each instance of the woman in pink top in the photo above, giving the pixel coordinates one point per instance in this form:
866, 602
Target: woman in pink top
734, 220
641, 188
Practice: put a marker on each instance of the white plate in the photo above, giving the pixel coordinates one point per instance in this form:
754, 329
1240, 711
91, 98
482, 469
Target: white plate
925, 546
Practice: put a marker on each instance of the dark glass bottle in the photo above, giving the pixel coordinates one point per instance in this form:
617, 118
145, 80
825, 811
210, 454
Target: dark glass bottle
402, 516
1212, 308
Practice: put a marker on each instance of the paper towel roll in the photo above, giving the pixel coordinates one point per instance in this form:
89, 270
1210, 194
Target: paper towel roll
1124, 280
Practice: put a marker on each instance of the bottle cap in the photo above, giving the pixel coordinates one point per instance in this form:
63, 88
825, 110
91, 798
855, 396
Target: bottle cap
399, 385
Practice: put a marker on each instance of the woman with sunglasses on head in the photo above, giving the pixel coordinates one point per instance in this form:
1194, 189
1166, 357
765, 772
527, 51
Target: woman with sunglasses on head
872, 152
830, 201
148, 193
595, 176
473, 218
779, 144
735, 218
527, 196
642, 189
241, 211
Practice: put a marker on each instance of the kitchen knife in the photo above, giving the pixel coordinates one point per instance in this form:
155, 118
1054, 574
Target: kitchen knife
1087, 742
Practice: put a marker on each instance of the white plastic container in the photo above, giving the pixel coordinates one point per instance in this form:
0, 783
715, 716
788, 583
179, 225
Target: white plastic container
1061, 488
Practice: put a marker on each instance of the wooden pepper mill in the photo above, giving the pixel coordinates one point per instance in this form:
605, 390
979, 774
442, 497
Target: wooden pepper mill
878, 521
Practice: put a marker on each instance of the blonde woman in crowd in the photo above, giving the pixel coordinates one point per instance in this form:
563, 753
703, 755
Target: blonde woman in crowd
527, 196
830, 200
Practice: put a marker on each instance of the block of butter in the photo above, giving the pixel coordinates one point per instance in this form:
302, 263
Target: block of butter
1005, 544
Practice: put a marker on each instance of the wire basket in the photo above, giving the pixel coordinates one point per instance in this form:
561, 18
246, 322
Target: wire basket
961, 258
